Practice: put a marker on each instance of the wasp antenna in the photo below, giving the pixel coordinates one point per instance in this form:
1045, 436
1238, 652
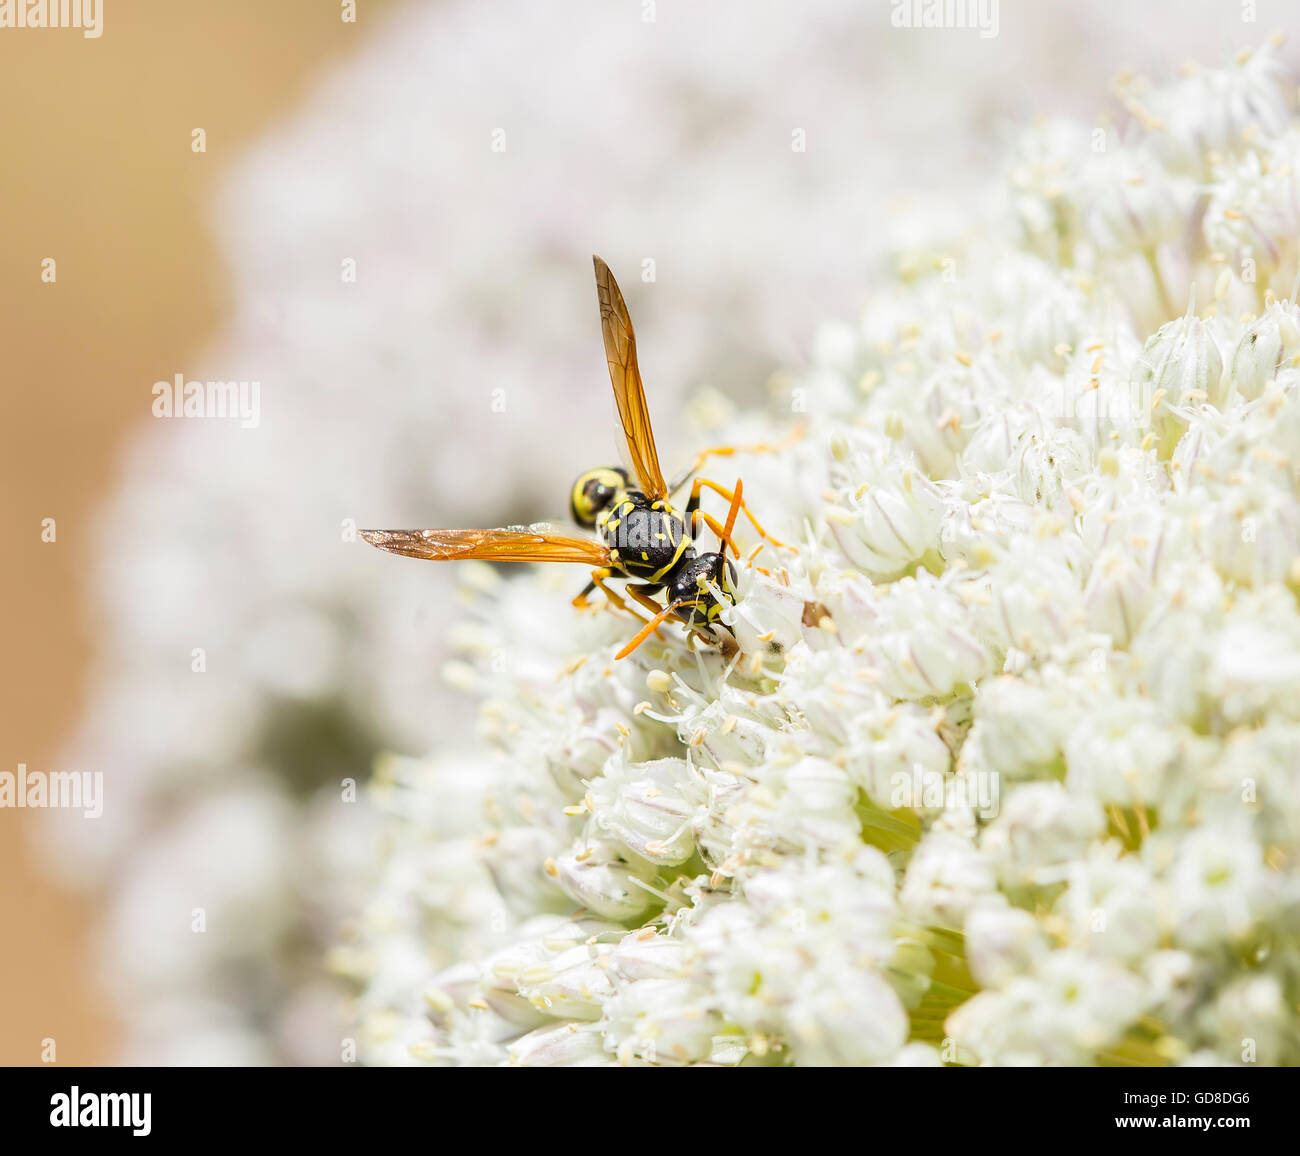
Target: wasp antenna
736, 503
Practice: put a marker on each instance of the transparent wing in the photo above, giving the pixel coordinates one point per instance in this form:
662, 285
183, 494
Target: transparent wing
629, 394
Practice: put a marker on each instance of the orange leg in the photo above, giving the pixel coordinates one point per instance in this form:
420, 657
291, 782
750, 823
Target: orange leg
713, 524
613, 597
580, 602
728, 451
729, 495
723, 532
642, 595
651, 627
724, 535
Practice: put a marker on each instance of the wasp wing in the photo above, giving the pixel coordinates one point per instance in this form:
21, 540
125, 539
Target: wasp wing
512, 544
629, 393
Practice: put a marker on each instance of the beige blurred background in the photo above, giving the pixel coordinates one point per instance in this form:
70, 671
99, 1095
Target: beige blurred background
97, 172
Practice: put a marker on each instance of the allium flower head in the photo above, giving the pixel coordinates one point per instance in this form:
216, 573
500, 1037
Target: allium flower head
1001, 768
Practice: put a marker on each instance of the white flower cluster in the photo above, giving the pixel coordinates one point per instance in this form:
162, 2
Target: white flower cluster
645, 134
1006, 766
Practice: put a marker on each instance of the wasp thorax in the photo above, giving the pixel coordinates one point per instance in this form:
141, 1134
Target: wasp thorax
594, 492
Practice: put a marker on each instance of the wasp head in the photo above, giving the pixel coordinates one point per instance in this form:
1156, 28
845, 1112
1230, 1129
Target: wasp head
694, 584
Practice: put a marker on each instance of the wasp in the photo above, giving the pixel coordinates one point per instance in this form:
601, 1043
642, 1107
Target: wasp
641, 536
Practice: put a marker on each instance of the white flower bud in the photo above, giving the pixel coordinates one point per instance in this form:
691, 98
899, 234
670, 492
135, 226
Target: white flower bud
918, 1055
1034, 601
846, 1017
946, 879
514, 858
893, 744
886, 525
1117, 596
1217, 112
1002, 942
1040, 827
1047, 462
1019, 728
1252, 1008
1068, 1011
1214, 886
1259, 353
599, 877
768, 619
572, 985
569, 1045
1255, 666
1113, 905
660, 1021
1253, 212
1180, 366
650, 807
642, 956
921, 640
1252, 533
808, 804
1131, 205
1121, 754
1167, 973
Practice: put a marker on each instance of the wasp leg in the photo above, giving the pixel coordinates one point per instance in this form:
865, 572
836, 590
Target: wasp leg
724, 532
651, 627
698, 516
718, 529
729, 495
728, 451
617, 603
641, 593
598, 583
614, 598
580, 602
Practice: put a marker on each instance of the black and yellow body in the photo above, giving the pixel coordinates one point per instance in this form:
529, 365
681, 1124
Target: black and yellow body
649, 542
640, 535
